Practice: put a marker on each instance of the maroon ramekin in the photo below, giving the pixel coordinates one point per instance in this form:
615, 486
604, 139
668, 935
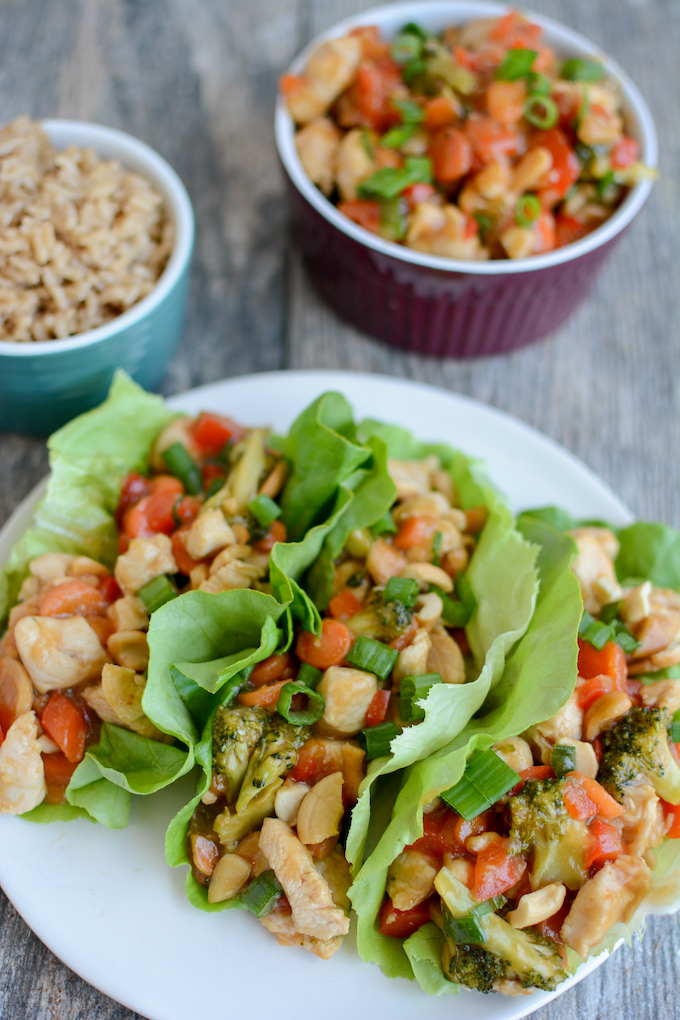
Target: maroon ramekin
438, 306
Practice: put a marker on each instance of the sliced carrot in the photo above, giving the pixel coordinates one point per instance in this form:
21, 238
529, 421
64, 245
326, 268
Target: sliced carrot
135, 521
269, 670
166, 483
329, 648
496, 870
451, 155
604, 843
584, 797
505, 101
440, 112
73, 598
490, 140
67, 727
672, 816
344, 605
414, 531
263, 697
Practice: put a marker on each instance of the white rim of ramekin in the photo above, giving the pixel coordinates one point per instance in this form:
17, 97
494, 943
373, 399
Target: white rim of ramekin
179, 206
449, 12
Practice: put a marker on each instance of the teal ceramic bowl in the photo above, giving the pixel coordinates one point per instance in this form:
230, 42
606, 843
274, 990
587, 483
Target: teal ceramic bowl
45, 383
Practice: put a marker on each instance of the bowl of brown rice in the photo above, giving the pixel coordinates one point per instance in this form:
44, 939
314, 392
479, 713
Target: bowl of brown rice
96, 237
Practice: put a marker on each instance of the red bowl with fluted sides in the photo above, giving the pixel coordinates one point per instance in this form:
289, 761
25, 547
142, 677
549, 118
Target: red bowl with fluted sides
440, 306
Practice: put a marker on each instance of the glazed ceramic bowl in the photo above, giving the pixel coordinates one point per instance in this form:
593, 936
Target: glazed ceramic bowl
435, 305
45, 383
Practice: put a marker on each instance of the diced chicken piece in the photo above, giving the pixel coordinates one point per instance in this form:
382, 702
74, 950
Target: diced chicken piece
384, 561
129, 648
317, 145
636, 604
442, 230
610, 896
311, 901
412, 660
30, 589
123, 691
31, 607
656, 632
235, 574
145, 559
567, 723
353, 164
180, 430
594, 566
348, 693
280, 923
410, 879
445, 657
412, 477
129, 613
85, 566
433, 505
50, 565
59, 652
642, 820
22, 775
208, 533
330, 69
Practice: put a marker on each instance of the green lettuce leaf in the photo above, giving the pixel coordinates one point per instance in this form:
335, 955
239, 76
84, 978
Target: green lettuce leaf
424, 951
538, 677
89, 458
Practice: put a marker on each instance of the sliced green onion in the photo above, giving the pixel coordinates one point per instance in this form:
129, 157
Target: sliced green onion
412, 689
607, 188
406, 47
214, 487
416, 29
156, 593
624, 638
516, 64
183, 466
385, 525
674, 728
393, 219
373, 656
401, 589
315, 704
541, 111
397, 136
263, 893
485, 222
598, 633
489, 906
309, 675
367, 143
413, 69
527, 210
582, 70
563, 759
538, 84
264, 510
436, 546
410, 112
376, 740
464, 592
467, 930
485, 780
389, 182
454, 614
609, 612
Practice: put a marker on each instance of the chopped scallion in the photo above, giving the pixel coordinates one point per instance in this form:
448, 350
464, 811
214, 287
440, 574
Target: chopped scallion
563, 759
262, 894
485, 221
373, 656
412, 689
582, 70
376, 740
538, 84
157, 592
598, 633
609, 612
389, 182
527, 210
393, 219
413, 69
401, 589
397, 136
468, 930
183, 466
541, 111
264, 510
416, 29
307, 717
436, 546
406, 47
309, 675
516, 64
410, 112
454, 614
485, 780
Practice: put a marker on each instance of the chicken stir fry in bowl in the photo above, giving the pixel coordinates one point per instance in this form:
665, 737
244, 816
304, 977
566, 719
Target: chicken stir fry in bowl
477, 143
75, 652
290, 747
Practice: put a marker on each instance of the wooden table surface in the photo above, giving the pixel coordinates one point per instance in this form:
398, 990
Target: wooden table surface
196, 80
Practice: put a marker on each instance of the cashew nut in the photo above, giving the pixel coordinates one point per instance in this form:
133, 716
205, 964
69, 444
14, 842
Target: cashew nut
586, 759
604, 712
515, 752
229, 876
321, 810
16, 689
537, 906
426, 574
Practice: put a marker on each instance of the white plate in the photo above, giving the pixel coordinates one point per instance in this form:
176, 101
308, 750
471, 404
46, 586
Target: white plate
106, 903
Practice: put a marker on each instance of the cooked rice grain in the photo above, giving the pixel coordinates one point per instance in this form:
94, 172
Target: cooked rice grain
81, 238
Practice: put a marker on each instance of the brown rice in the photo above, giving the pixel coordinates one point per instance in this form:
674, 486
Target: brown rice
81, 238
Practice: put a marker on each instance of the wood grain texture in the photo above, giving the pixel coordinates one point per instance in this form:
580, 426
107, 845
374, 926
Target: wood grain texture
197, 80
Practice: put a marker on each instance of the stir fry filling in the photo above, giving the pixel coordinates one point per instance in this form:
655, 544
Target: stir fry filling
75, 653
545, 843
476, 143
289, 756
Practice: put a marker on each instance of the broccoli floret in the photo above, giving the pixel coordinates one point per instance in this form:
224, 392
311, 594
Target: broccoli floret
545, 830
235, 733
274, 755
638, 745
473, 966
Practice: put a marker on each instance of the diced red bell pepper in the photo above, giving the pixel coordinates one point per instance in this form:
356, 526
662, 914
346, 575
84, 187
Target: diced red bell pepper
496, 870
604, 843
568, 230
400, 924
212, 431
446, 831
363, 212
536, 772
375, 83
209, 472
185, 562
108, 586
609, 661
625, 153
566, 167
377, 710
585, 797
672, 816
187, 509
